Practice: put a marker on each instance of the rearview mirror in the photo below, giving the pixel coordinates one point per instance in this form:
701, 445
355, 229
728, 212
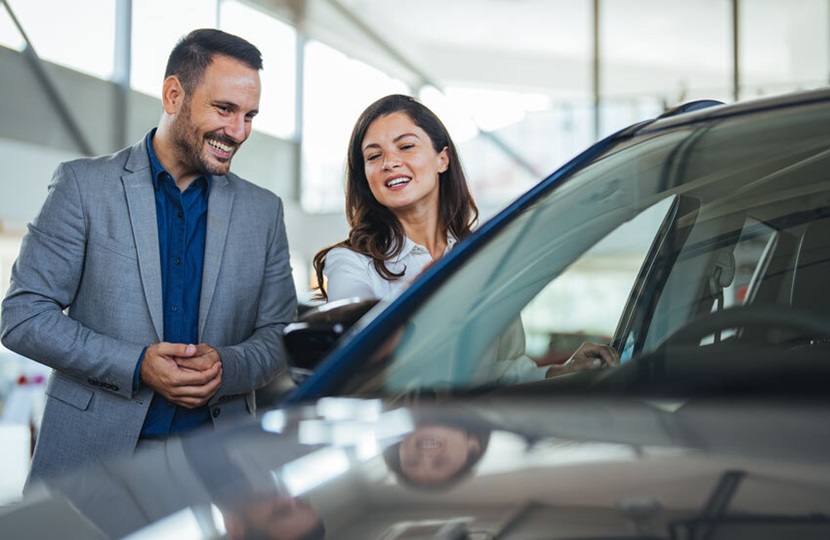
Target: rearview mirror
317, 332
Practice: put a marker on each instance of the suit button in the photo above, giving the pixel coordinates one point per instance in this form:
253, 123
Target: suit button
216, 412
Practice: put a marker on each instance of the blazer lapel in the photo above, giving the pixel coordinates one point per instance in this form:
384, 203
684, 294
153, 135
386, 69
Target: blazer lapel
138, 188
220, 203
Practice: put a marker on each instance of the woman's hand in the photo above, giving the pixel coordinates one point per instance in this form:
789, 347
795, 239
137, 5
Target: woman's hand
587, 356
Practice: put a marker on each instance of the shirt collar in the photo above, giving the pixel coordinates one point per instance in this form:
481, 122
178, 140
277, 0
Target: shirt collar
409, 245
156, 168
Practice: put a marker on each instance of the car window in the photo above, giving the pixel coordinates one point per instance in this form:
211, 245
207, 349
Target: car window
584, 303
749, 193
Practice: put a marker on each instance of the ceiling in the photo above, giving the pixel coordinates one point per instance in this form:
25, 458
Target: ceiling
657, 47
526, 45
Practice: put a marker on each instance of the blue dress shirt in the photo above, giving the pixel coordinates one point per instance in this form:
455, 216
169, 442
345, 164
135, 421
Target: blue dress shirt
182, 228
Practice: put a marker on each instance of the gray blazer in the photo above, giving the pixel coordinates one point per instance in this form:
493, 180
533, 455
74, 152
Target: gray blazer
85, 299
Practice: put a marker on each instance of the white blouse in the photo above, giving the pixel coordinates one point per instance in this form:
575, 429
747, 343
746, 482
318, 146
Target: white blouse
350, 274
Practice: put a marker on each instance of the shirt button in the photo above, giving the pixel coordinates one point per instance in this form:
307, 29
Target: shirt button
216, 412
174, 309
177, 261
179, 214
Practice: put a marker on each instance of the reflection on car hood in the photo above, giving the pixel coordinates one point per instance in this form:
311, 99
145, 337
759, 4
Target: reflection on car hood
528, 468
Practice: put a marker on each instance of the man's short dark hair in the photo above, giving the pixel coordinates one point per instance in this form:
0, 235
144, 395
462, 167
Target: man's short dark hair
194, 52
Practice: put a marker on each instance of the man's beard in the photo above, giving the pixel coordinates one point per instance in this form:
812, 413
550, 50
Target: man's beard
190, 148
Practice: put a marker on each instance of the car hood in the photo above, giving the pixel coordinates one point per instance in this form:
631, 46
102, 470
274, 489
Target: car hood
536, 468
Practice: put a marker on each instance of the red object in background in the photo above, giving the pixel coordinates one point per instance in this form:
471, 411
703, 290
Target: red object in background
740, 294
19, 407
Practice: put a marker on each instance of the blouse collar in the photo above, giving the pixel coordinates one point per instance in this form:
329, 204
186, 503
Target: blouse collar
409, 247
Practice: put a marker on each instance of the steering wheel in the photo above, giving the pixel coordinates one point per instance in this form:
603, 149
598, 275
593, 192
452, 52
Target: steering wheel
779, 316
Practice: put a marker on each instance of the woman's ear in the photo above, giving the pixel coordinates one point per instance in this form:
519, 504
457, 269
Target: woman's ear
443, 160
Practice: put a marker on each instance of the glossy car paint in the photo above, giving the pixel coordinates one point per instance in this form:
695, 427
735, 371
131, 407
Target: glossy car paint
567, 469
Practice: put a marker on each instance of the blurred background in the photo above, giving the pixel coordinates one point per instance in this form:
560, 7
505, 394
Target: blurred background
523, 86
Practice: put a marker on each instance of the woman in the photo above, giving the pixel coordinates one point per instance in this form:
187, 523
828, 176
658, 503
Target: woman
407, 204
407, 201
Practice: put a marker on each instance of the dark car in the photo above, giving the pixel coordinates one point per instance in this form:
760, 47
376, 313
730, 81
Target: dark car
431, 416
700, 240
510, 468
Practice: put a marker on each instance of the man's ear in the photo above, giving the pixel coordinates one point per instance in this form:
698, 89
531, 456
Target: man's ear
172, 95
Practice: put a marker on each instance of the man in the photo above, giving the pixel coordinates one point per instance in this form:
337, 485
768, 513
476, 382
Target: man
153, 281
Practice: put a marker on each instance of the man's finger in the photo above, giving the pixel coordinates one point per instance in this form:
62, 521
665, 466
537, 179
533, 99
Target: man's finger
195, 377
195, 396
172, 349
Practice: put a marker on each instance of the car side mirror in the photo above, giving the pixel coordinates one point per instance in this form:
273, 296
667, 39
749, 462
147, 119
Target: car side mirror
318, 330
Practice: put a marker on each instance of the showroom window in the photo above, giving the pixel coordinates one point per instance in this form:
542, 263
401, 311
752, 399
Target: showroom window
692, 61
278, 43
336, 90
86, 45
157, 26
783, 46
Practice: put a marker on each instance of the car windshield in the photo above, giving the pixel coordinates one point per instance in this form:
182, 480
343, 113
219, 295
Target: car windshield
685, 220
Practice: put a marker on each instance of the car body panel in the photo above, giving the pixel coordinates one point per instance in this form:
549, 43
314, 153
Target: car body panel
574, 469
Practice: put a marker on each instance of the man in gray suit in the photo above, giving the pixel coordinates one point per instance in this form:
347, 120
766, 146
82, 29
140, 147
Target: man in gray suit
155, 282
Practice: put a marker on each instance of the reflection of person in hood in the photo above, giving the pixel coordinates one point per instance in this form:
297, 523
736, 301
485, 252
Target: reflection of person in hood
233, 470
253, 508
278, 517
441, 451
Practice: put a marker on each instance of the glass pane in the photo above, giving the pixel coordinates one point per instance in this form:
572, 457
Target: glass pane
565, 313
157, 26
679, 54
511, 124
784, 45
616, 114
79, 35
278, 43
9, 36
550, 137
494, 177
336, 90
